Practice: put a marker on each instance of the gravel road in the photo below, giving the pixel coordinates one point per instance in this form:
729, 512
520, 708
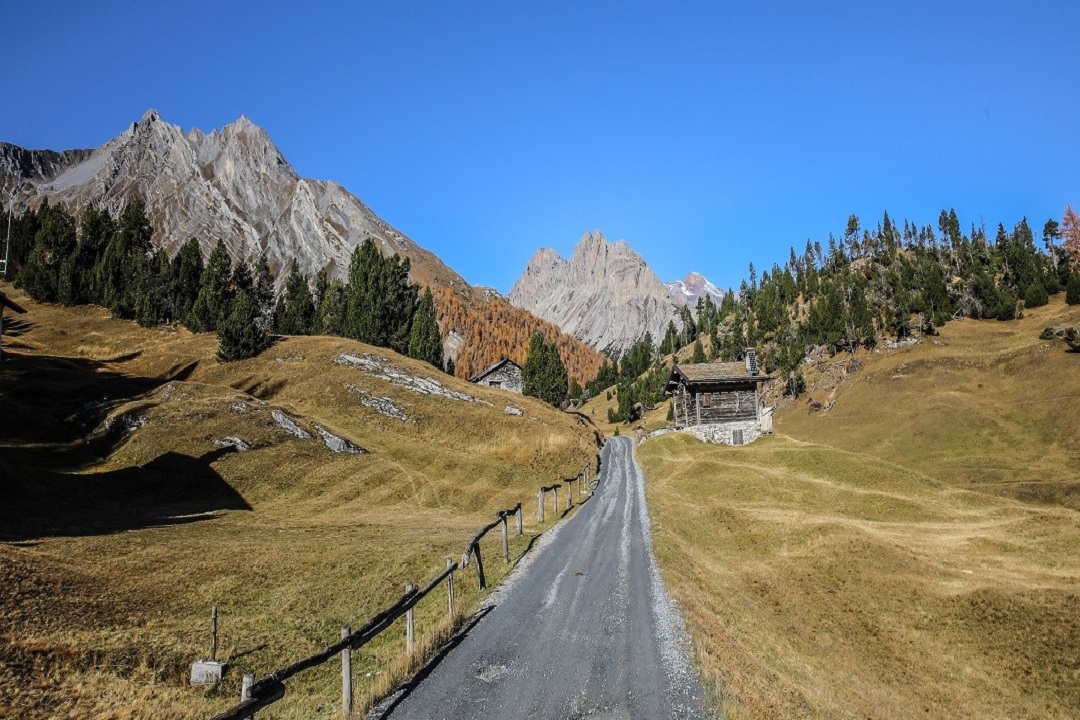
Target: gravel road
582, 629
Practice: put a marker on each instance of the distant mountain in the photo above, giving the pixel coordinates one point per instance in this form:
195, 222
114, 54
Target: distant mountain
605, 294
693, 288
233, 184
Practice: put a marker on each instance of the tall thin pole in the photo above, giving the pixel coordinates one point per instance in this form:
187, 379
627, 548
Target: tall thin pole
7, 248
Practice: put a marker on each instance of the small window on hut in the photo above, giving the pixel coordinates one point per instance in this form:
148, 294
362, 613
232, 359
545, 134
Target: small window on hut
706, 399
494, 383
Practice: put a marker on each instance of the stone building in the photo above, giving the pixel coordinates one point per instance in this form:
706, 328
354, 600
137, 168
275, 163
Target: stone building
505, 374
718, 402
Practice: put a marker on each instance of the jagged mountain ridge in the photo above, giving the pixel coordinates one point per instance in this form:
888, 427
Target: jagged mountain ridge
233, 184
605, 294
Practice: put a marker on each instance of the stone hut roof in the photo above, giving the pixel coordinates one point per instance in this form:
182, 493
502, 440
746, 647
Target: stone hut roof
493, 368
713, 373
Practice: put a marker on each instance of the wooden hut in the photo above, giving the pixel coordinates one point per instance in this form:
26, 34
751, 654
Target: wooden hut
505, 374
720, 401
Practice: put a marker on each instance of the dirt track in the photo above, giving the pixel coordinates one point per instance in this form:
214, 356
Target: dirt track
583, 629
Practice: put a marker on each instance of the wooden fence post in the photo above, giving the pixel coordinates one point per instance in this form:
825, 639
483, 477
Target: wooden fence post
450, 585
410, 623
245, 690
479, 567
213, 634
346, 676
540, 506
520, 529
555, 505
505, 539
569, 494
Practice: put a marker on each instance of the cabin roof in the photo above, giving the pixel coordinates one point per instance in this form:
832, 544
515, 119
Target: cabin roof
9, 303
493, 368
711, 374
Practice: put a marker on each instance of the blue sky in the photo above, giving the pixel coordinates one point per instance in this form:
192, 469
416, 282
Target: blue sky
708, 135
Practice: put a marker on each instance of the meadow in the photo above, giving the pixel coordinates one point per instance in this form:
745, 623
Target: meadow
913, 551
127, 515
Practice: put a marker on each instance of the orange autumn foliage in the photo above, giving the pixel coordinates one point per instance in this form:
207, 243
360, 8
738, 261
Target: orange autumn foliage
494, 329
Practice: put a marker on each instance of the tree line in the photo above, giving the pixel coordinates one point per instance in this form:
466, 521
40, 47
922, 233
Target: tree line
890, 281
112, 262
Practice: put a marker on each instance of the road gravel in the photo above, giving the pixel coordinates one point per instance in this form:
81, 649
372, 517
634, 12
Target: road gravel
583, 628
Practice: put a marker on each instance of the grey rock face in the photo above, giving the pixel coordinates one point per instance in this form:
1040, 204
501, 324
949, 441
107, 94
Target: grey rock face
605, 294
232, 184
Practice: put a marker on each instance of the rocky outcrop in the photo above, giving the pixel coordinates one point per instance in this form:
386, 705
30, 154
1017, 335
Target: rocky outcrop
233, 184
605, 294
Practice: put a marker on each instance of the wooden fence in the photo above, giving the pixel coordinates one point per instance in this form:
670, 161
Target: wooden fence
255, 696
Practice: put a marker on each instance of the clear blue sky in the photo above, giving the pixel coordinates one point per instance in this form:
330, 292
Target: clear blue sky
708, 135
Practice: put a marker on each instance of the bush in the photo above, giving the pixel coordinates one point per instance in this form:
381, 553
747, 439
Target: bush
1072, 290
1036, 295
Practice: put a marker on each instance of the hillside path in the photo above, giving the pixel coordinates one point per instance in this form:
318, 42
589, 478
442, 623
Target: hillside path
583, 629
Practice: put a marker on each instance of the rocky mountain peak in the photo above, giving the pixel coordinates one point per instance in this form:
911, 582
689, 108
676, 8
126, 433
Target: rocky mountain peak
605, 294
233, 184
692, 288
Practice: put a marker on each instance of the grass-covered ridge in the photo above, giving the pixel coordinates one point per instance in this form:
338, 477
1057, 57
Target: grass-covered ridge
116, 542
912, 552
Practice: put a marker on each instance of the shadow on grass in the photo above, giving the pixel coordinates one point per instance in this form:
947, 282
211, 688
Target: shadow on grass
49, 405
405, 690
172, 489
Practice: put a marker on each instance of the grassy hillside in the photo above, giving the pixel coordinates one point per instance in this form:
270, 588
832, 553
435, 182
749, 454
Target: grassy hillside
125, 517
914, 551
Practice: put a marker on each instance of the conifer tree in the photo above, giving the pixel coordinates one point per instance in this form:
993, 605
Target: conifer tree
214, 291
699, 352
331, 316
240, 335
264, 293
124, 259
295, 313
53, 244
424, 341
187, 271
544, 373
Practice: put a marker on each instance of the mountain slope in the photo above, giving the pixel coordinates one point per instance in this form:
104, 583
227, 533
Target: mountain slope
233, 184
605, 294
127, 514
914, 547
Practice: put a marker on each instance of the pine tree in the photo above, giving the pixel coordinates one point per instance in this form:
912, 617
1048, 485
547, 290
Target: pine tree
187, 270
1072, 290
379, 300
123, 259
699, 352
544, 372
264, 293
424, 341
239, 335
214, 291
331, 316
296, 309
53, 244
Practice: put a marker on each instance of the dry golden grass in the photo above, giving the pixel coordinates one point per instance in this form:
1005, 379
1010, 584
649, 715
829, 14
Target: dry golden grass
116, 548
913, 552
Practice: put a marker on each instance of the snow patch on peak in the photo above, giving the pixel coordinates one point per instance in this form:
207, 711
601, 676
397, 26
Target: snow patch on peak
694, 286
